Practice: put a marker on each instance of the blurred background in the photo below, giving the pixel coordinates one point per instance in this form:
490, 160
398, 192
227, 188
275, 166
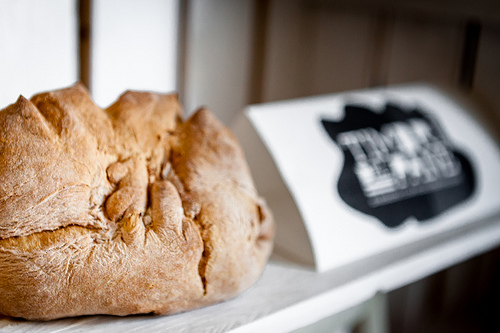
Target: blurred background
227, 54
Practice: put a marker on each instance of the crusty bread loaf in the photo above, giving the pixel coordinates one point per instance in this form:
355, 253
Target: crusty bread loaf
125, 210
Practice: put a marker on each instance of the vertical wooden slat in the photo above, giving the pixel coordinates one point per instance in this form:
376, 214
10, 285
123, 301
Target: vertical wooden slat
259, 48
460, 288
488, 291
38, 47
417, 299
396, 301
382, 39
182, 51
469, 54
84, 12
134, 46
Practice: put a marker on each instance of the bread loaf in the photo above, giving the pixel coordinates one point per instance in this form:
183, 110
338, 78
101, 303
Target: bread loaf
125, 210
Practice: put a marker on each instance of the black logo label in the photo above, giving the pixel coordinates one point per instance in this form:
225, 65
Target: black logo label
398, 163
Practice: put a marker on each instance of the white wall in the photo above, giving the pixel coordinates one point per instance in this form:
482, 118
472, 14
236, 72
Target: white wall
38, 47
133, 47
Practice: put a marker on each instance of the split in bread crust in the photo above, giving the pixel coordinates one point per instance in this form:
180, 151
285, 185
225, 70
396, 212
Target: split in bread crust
125, 210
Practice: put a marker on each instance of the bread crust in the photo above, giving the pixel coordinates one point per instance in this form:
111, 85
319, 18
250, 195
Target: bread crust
125, 210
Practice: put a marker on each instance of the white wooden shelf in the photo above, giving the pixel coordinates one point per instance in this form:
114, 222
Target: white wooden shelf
290, 296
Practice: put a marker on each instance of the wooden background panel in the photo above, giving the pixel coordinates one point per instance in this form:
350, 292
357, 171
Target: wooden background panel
288, 42
133, 46
483, 10
424, 50
315, 49
343, 48
38, 47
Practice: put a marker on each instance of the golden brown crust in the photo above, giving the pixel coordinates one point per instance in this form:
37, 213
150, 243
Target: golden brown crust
125, 210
